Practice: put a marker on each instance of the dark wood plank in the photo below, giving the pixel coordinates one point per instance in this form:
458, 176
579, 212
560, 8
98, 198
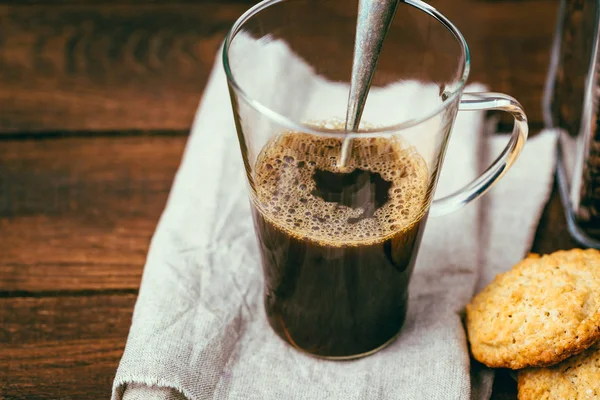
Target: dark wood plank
143, 66
28, 320
62, 348
78, 213
510, 45
107, 67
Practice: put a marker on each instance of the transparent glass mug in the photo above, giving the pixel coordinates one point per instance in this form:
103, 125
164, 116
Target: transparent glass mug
338, 242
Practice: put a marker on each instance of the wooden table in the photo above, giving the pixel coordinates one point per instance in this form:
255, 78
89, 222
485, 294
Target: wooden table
96, 101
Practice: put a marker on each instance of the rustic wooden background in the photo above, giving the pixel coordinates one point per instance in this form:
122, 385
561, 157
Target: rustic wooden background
96, 101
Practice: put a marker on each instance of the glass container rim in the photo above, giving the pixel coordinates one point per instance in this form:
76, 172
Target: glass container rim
363, 133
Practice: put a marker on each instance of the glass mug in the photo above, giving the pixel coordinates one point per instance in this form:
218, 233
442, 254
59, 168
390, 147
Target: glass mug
338, 242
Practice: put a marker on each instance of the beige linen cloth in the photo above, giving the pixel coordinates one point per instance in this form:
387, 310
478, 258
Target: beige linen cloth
199, 330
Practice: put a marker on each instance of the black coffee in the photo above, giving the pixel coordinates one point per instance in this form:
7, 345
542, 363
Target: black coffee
338, 246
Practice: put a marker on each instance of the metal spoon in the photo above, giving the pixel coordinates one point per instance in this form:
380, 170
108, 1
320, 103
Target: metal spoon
374, 20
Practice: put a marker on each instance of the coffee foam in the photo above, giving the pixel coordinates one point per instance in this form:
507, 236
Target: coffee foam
283, 182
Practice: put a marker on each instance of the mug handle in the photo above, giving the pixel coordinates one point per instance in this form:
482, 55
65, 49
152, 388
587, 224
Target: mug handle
475, 189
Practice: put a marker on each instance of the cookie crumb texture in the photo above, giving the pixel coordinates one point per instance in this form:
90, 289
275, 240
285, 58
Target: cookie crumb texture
542, 311
577, 378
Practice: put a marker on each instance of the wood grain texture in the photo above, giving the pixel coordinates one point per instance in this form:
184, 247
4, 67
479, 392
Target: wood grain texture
143, 66
61, 348
510, 45
107, 67
78, 213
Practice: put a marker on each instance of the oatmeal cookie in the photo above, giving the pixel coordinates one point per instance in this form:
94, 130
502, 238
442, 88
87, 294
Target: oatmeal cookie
576, 378
542, 311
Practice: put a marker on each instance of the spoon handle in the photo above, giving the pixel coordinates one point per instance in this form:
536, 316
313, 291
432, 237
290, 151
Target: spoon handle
374, 20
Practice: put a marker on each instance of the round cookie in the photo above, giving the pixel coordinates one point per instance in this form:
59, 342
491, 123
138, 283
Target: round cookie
576, 378
539, 313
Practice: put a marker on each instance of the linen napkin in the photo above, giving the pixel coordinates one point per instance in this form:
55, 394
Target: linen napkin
199, 330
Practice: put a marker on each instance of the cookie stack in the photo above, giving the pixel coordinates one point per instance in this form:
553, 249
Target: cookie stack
543, 318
